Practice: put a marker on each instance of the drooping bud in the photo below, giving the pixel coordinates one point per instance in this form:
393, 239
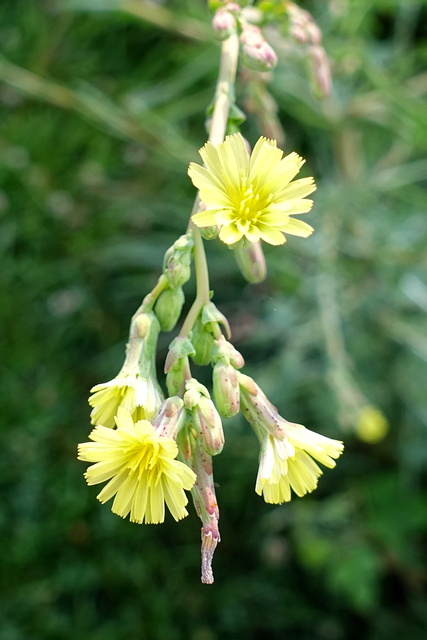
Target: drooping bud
225, 352
170, 417
177, 261
205, 417
203, 342
257, 54
251, 262
320, 70
226, 390
176, 365
168, 307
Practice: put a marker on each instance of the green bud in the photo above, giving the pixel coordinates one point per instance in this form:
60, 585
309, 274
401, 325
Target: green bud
209, 233
203, 342
224, 352
168, 308
176, 365
251, 262
226, 391
177, 261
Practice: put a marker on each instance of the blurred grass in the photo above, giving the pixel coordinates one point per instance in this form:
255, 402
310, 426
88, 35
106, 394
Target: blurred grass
100, 113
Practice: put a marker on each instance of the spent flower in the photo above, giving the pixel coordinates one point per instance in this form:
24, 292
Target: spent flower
251, 196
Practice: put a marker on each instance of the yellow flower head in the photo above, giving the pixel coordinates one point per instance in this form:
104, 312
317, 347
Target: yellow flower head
287, 463
131, 391
141, 468
251, 196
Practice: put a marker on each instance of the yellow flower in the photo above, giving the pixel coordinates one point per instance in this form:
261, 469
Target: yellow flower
131, 391
287, 463
141, 468
251, 196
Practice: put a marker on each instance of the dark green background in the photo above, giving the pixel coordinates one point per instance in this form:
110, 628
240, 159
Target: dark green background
101, 111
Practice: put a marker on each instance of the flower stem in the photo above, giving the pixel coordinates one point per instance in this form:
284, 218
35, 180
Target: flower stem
224, 98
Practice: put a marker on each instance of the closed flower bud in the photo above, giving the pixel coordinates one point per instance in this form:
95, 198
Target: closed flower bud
175, 377
203, 342
225, 352
251, 262
210, 233
223, 24
168, 308
170, 417
177, 261
176, 365
259, 57
207, 421
226, 390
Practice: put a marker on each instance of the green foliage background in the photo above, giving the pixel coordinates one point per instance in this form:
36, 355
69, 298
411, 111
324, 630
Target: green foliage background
101, 111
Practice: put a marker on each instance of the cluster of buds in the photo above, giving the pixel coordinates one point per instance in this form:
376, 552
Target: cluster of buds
231, 18
305, 31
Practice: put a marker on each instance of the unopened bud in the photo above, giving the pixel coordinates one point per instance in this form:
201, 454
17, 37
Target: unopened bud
168, 307
176, 365
320, 70
177, 261
170, 417
259, 57
209, 233
203, 342
223, 24
208, 422
251, 262
226, 390
226, 353
210, 313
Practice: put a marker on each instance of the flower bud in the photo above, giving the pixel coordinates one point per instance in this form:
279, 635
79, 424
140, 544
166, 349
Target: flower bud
209, 233
251, 262
168, 308
320, 70
177, 261
225, 352
226, 390
259, 57
205, 417
208, 422
223, 24
203, 342
170, 417
176, 365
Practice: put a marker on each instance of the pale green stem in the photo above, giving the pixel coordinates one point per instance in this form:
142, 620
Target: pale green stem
224, 98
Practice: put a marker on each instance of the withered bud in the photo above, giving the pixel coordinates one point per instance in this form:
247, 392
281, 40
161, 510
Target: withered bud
168, 308
170, 417
210, 539
177, 261
226, 390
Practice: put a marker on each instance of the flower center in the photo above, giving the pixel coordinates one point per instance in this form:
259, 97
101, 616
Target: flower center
250, 205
